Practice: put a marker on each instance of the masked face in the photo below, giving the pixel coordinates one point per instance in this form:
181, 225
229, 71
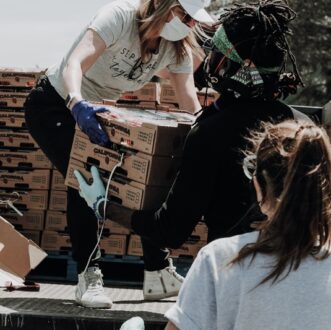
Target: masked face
175, 30
217, 67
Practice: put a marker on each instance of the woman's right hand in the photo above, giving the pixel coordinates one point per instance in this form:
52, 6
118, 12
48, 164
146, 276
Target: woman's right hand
85, 116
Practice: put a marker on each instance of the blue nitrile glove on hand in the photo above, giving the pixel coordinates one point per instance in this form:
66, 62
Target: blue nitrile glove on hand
93, 194
84, 114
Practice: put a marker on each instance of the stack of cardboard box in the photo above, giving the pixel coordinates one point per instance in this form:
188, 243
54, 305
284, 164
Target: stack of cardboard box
150, 140
24, 169
159, 96
55, 236
151, 143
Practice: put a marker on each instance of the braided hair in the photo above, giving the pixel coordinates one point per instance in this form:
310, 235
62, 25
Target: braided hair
258, 31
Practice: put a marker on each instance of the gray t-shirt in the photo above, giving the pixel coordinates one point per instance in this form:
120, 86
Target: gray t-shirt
217, 296
116, 24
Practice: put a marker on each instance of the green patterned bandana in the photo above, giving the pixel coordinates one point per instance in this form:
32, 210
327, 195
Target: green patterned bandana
224, 45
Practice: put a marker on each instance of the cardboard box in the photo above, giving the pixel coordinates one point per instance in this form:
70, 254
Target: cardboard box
135, 247
26, 199
19, 77
55, 241
114, 228
114, 244
31, 219
31, 179
129, 193
56, 221
12, 119
24, 158
188, 249
33, 235
149, 92
134, 104
152, 132
10, 99
138, 166
16, 139
57, 181
18, 255
170, 106
58, 200
168, 94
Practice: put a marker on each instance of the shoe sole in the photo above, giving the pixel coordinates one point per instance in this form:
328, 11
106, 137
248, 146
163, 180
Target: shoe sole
79, 302
161, 296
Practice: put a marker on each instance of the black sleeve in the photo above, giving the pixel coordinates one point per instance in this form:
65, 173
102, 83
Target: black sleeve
187, 200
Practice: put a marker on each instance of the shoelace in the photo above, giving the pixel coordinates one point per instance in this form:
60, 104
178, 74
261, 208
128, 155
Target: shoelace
172, 270
95, 280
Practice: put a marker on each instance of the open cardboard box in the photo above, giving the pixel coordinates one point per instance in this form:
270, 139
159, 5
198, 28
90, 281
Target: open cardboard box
151, 131
18, 255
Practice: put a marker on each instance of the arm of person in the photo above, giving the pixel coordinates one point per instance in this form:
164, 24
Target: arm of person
82, 57
186, 94
87, 51
188, 198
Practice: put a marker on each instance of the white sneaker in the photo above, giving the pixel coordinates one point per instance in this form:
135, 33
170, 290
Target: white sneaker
162, 283
89, 290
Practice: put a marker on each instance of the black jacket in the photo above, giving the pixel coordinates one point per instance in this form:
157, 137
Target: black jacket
210, 182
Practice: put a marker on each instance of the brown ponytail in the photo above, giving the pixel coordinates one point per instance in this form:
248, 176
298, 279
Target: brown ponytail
293, 169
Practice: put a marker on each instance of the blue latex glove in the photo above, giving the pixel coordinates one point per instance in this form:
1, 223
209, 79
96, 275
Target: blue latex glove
93, 194
135, 323
84, 114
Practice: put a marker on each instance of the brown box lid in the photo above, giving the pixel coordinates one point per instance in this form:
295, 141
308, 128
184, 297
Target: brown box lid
153, 132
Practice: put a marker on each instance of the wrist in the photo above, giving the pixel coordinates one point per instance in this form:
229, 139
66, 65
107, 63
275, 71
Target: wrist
98, 207
72, 99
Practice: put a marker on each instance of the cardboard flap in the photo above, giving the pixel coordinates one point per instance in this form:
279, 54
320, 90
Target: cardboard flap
17, 254
36, 254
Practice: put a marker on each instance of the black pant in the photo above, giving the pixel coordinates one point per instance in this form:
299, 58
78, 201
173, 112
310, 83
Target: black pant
155, 258
52, 126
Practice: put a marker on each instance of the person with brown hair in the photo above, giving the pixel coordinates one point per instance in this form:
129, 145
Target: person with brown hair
277, 277
126, 43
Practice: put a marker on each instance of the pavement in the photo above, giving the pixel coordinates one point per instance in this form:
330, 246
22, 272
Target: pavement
54, 308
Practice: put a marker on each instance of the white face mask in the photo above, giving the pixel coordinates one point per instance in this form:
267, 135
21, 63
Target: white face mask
175, 30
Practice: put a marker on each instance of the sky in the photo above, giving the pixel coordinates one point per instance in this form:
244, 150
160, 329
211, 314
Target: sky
39, 32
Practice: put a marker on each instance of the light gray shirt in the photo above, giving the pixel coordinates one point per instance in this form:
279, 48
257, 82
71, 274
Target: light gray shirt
217, 296
117, 25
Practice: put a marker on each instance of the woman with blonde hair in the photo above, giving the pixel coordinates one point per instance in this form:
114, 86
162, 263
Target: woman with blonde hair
277, 277
122, 48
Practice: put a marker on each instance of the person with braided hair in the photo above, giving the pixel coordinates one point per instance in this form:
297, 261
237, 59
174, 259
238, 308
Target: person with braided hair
277, 277
246, 63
